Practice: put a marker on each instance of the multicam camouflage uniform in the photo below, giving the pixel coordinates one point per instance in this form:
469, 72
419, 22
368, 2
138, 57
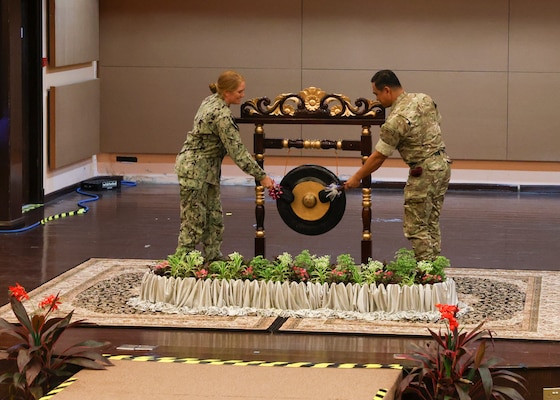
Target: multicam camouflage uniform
198, 167
413, 129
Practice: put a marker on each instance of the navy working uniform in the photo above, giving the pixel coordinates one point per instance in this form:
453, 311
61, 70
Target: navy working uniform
198, 167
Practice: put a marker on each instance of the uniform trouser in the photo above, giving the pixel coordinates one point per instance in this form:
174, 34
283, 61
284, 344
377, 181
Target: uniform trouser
201, 220
423, 201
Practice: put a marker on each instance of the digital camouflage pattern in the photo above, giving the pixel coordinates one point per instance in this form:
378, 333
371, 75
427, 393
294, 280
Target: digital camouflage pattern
413, 128
198, 166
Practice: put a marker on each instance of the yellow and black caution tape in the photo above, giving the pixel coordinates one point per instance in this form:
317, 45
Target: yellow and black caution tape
215, 361
59, 388
381, 393
63, 215
28, 207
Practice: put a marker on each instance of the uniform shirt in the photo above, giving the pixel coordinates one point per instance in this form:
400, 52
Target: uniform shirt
214, 135
412, 128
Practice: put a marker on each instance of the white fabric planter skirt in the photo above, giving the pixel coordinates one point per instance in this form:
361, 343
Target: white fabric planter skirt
304, 299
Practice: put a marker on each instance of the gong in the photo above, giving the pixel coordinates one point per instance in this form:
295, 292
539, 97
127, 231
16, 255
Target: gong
304, 206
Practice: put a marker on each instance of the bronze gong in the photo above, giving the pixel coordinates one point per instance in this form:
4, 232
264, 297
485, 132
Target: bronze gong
303, 206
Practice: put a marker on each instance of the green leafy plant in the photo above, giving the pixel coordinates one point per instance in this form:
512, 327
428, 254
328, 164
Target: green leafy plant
303, 266
370, 272
232, 268
322, 270
306, 267
280, 270
404, 267
39, 361
432, 271
181, 265
254, 268
344, 270
454, 366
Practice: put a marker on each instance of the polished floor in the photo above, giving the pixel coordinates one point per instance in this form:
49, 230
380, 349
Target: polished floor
481, 229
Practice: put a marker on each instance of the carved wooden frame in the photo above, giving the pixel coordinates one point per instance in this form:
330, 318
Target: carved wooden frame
313, 106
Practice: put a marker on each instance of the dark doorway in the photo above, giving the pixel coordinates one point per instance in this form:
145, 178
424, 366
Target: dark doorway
21, 110
32, 77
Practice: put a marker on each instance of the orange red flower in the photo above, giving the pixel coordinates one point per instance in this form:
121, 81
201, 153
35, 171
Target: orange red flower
50, 302
449, 312
18, 292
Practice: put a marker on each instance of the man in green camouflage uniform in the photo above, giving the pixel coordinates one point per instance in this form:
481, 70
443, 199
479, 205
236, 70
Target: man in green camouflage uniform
412, 128
198, 167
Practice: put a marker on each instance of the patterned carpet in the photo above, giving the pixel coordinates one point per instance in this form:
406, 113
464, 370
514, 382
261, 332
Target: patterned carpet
515, 304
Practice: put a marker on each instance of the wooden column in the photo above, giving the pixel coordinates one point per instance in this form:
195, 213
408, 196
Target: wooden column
366, 196
11, 108
258, 145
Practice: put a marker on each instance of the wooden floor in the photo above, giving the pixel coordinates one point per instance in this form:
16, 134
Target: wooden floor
481, 229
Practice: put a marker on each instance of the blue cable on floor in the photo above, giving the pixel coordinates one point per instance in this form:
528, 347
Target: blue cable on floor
82, 210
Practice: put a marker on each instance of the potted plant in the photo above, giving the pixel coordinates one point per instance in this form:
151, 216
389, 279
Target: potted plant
454, 366
38, 363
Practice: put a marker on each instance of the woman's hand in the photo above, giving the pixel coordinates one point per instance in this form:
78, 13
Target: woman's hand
267, 182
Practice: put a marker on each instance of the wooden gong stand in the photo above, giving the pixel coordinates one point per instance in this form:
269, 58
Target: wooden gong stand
313, 106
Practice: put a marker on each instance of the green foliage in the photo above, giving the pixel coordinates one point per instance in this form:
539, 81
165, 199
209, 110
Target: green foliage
303, 266
40, 363
228, 269
307, 267
321, 272
345, 270
305, 260
184, 264
281, 269
404, 266
254, 267
371, 271
356, 275
259, 262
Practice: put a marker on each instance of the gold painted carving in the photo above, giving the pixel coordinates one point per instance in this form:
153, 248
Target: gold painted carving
312, 102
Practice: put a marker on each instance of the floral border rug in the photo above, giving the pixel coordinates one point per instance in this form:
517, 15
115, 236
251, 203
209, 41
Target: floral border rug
98, 289
516, 304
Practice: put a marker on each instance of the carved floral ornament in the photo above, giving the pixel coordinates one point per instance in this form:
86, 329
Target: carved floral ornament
311, 102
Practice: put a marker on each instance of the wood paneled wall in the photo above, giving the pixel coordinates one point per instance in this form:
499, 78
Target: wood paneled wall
73, 32
488, 65
74, 115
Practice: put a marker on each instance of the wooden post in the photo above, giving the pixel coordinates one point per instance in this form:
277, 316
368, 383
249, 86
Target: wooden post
366, 145
258, 145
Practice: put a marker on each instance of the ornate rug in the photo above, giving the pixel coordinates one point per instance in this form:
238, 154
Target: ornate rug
515, 304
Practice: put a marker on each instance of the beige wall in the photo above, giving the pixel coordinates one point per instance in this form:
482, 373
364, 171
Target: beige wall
488, 65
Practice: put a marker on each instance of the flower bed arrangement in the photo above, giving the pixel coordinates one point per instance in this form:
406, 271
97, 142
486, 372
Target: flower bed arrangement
303, 285
305, 267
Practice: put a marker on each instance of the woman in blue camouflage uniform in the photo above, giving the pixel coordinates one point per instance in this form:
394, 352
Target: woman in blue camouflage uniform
413, 128
198, 167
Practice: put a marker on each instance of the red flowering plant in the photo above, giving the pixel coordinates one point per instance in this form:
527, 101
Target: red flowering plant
454, 366
40, 361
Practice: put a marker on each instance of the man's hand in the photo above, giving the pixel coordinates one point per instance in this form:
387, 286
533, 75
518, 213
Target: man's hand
353, 182
373, 162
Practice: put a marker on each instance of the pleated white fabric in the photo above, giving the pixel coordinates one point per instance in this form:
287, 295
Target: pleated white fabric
244, 297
